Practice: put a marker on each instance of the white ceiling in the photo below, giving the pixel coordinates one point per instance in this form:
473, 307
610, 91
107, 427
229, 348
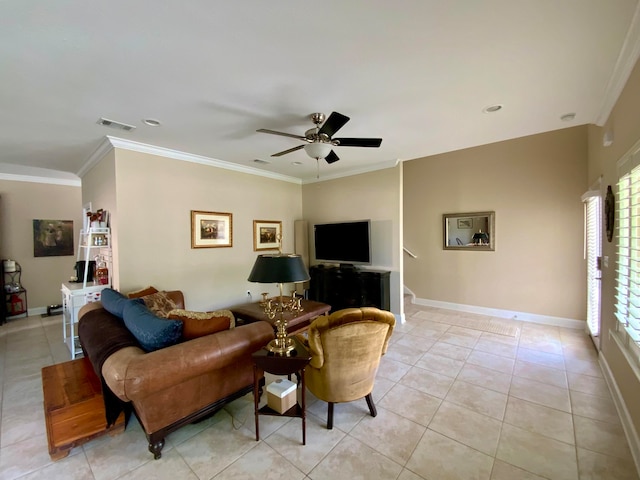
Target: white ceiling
416, 73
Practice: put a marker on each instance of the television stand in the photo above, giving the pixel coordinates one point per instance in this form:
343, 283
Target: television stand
347, 266
349, 287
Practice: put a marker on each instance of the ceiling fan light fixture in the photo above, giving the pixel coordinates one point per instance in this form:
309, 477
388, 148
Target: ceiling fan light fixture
317, 149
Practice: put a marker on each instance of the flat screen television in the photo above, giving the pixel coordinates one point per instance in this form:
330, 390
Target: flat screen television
346, 243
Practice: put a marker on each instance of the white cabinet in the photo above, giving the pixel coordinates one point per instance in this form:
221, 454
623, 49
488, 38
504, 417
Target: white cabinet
94, 246
74, 296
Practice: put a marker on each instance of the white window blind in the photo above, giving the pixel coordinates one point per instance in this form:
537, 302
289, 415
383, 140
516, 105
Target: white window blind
628, 247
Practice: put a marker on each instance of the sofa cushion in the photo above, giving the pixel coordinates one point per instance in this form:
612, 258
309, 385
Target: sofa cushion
142, 292
199, 324
159, 303
114, 302
152, 332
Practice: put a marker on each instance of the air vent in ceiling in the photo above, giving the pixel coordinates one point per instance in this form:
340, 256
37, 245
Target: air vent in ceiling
261, 162
117, 125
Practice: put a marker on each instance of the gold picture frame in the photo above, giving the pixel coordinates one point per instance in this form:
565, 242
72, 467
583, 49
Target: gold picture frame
211, 229
267, 235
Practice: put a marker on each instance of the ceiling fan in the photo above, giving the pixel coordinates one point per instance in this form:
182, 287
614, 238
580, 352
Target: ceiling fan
319, 141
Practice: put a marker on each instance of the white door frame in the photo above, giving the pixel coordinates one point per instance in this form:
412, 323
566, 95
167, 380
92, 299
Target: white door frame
593, 222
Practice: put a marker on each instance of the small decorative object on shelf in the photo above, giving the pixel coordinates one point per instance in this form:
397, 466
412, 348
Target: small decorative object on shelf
99, 219
102, 272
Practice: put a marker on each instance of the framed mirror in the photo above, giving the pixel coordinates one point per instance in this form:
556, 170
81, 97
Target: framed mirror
469, 231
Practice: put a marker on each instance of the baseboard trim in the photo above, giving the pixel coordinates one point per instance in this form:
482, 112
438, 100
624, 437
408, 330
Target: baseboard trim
36, 311
625, 417
511, 314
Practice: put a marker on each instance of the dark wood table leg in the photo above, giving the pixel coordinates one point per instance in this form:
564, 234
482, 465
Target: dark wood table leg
304, 408
256, 399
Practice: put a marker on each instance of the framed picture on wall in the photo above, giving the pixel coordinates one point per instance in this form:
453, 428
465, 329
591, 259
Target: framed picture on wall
211, 229
52, 238
267, 235
465, 223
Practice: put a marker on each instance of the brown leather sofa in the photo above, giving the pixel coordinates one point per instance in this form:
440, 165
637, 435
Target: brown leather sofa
176, 385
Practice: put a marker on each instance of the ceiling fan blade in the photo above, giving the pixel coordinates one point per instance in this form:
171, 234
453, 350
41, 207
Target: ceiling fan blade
273, 132
359, 142
334, 123
279, 154
332, 157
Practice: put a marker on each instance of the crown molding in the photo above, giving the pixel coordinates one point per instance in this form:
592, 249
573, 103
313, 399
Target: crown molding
104, 148
39, 179
371, 168
629, 54
110, 143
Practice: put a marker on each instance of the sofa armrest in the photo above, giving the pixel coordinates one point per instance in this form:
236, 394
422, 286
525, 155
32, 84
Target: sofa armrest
132, 374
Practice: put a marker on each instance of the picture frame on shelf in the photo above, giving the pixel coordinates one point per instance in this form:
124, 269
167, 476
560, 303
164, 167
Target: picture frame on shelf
267, 235
211, 229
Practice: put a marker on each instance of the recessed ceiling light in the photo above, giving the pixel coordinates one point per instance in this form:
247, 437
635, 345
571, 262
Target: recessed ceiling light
492, 108
567, 117
151, 122
296, 163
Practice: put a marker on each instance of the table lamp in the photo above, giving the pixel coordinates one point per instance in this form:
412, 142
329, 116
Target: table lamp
480, 238
280, 268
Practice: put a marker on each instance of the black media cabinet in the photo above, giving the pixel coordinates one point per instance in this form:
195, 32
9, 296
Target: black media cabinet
348, 287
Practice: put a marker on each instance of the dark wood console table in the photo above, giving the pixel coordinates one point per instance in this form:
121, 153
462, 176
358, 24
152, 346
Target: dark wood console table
296, 322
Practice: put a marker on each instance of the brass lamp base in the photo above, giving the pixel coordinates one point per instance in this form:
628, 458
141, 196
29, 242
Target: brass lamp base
280, 346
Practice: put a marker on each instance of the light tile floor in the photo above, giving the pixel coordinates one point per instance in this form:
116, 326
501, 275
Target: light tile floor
454, 403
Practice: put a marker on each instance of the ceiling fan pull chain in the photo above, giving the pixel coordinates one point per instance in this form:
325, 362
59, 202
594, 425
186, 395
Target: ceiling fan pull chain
318, 168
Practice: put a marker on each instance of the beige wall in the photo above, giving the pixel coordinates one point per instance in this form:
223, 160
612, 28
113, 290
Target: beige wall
20, 204
376, 196
151, 217
624, 122
534, 186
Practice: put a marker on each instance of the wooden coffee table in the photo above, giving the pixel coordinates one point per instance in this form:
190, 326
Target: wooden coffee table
74, 407
296, 322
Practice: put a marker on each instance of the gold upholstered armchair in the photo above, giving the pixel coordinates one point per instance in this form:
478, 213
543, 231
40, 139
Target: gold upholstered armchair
345, 348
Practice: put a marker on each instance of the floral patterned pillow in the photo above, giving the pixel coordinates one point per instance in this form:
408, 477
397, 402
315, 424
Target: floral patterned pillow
159, 303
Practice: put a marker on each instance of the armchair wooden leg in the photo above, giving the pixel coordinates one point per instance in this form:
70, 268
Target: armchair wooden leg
372, 407
330, 417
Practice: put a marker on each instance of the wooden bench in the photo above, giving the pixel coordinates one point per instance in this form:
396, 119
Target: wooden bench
74, 407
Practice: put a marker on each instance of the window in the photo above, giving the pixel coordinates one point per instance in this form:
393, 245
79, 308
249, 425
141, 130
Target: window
628, 255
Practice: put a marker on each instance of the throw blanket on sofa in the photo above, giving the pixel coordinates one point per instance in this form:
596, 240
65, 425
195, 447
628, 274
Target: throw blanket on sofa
101, 336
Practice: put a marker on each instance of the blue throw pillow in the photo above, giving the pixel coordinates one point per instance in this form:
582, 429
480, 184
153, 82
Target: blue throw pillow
151, 332
114, 302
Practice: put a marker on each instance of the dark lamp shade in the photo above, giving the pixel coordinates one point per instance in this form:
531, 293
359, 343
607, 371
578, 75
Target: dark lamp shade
483, 237
285, 268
